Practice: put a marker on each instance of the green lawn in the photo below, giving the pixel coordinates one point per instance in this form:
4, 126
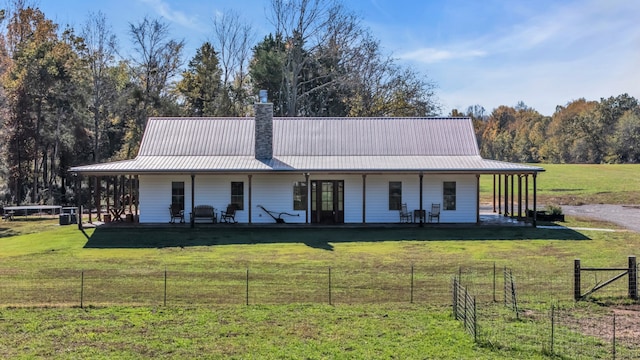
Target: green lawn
581, 184
46, 271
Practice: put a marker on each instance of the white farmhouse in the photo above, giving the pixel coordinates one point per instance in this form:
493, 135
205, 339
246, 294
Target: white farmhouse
316, 170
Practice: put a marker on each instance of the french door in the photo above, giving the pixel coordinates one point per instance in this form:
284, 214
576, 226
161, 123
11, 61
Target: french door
327, 201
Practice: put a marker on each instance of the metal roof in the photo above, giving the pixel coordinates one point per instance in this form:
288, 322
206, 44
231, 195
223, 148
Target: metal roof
197, 145
311, 136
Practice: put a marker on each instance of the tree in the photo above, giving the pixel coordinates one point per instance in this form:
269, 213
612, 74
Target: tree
156, 60
99, 52
233, 38
200, 84
626, 137
45, 88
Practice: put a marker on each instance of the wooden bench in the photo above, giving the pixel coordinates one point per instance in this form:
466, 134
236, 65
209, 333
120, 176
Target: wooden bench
206, 212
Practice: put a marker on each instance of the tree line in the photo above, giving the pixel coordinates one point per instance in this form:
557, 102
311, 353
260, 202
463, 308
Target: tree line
595, 132
69, 96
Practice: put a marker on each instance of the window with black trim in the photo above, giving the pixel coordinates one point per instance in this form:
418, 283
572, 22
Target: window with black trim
237, 195
449, 195
299, 195
395, 195
177, 194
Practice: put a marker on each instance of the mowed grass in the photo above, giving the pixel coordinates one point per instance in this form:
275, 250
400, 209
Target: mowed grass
571, 184
288, 316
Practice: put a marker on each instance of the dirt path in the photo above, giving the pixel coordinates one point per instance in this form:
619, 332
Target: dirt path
627, 216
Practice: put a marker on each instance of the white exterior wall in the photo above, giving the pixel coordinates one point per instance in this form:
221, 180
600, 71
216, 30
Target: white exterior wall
275, 193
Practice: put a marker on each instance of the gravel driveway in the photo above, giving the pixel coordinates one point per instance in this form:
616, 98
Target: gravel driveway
627, 216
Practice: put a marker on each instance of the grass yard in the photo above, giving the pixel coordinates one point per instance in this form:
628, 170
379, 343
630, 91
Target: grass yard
564, 184
46, 270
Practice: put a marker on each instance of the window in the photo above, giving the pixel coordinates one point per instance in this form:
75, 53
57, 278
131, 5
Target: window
177, 194
395, 195
299, 195
237, 195
449, 195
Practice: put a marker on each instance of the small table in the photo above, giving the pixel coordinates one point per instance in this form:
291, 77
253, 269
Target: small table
419, 214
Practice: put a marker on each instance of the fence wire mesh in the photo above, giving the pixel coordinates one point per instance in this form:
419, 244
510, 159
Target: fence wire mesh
569, 330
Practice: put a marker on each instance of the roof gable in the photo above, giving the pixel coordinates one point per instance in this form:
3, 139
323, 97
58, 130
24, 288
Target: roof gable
312, 137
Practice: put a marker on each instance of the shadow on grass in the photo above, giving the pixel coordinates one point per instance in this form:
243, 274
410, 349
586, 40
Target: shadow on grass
319, 238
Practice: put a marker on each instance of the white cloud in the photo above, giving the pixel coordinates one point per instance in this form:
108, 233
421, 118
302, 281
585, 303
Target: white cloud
164, 9
431, 55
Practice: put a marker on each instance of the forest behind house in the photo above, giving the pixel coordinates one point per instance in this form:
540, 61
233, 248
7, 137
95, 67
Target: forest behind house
73, 96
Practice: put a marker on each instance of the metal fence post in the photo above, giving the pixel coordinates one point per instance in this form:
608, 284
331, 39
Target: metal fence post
330, 303
455, 298
553, 326
576, 280
247, 290
412, 283
165, 286
82, 289
614, 336
494, 280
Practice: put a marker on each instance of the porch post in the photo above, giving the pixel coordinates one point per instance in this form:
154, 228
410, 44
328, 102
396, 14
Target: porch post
421, 196
90, 199
136, 216
106, 192
78, 199
250, 202
494, 192
512, 197
306, 211
477, 198
535, 199
526, 195
506, 194
499, 194
193, 197
519, 196
364, 198
98, 183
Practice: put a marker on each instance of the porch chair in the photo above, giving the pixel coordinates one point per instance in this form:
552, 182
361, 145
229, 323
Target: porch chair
229, 216
176, 213
405, 215
435, 212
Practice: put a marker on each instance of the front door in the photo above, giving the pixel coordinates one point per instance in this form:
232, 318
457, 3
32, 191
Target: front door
327, 201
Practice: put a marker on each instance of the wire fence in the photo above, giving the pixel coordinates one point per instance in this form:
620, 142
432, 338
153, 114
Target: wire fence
541, 315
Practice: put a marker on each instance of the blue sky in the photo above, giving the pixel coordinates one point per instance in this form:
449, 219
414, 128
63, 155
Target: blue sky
489, 52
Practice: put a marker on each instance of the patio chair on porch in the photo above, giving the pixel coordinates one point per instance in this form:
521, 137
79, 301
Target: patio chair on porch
229, 216
435, 212
405, 215
176, 213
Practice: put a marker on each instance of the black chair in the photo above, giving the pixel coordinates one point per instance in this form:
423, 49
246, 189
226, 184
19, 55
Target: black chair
229, 216
435, 212
405, 215
176, 213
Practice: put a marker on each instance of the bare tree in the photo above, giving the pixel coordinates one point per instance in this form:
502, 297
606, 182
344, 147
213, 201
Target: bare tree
100, 54
233, 38
155, 63
316, 32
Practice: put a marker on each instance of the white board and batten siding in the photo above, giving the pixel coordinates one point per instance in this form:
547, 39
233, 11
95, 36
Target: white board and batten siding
377, 206
275, 193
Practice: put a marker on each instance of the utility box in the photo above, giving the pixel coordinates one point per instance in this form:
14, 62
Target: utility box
65, 219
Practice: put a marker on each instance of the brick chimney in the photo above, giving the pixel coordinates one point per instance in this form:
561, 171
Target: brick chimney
264, 129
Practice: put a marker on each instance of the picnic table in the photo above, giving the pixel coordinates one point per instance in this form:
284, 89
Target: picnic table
116, 213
